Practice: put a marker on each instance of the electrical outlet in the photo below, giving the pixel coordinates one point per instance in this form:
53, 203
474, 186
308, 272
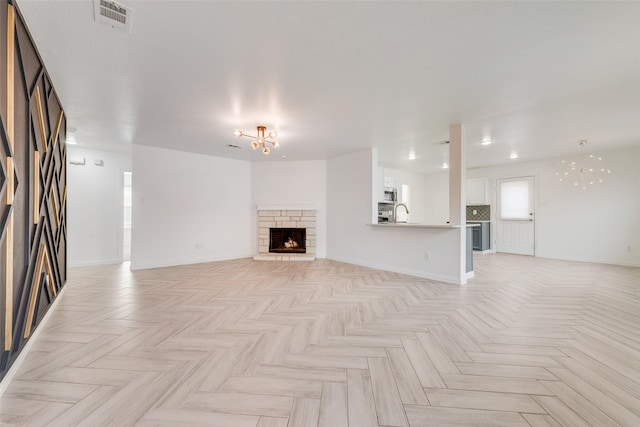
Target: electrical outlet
427, 256
629, 248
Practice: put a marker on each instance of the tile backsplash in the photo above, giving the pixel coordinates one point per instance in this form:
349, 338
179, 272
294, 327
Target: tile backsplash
483, 213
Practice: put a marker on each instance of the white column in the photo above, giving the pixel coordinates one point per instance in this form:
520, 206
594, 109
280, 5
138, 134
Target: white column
374, 188
457, 191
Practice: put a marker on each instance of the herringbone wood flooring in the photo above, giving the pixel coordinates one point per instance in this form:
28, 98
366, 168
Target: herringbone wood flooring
244, 343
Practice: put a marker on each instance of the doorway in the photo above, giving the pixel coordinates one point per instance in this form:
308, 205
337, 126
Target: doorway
126, 221
515, 218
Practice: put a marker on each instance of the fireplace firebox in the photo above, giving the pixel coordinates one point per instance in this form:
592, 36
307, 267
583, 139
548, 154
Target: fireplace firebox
288, 240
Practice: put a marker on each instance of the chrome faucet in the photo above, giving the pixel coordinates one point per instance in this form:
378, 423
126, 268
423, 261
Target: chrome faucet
395, 211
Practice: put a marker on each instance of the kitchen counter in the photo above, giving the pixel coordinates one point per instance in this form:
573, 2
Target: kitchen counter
430, 250
412, 225
419, 225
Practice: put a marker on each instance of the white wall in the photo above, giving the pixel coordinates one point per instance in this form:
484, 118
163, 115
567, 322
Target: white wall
597, 224
436, 198
351, 187
189, 208
95, 206
293, 183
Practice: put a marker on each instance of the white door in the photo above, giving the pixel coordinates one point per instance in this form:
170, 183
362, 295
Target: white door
515, 216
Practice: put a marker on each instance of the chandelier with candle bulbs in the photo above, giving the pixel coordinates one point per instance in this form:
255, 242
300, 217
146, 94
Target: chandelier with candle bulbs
263, 139
586, 171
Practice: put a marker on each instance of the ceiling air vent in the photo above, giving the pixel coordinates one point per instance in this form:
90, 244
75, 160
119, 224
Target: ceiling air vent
113, 14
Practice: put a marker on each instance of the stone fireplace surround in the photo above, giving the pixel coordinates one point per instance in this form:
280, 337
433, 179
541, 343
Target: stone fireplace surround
286, 217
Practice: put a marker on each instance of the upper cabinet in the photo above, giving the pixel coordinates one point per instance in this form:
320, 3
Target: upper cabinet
478, 191
379, 180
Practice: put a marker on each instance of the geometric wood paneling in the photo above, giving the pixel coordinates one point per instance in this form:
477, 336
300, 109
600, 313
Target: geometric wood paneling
33, 262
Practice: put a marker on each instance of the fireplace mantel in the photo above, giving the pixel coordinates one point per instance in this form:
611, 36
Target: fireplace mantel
287, 207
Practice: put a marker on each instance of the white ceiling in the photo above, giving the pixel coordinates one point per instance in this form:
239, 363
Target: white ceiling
336, 77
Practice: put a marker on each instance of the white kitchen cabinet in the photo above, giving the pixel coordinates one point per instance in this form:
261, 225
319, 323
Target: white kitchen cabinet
478, 191
379, 184
389, 181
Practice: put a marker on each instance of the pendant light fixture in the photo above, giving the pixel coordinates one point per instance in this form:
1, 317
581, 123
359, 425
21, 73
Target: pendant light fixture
263, 139
584, 172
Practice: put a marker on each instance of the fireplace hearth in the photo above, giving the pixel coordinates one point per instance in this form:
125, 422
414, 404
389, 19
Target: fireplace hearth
287, 240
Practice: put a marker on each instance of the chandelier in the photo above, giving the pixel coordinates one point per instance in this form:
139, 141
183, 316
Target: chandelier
261, 140
588, 170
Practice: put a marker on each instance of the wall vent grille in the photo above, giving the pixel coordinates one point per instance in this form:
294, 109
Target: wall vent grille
113, 14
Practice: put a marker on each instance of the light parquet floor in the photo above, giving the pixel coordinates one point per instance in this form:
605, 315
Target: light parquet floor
265, 344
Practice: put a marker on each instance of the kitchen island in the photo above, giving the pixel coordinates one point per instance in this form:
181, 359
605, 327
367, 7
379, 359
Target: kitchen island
413, 225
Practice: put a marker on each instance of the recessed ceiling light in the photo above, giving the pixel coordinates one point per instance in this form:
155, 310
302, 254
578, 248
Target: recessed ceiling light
412, 155
513, 155
71, 142
283, 157
445, 165
486, 141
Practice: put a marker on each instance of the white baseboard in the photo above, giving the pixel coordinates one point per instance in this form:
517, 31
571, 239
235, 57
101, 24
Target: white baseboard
594, 260
75, 264
488, 251
159, 264
25, 350
410, 272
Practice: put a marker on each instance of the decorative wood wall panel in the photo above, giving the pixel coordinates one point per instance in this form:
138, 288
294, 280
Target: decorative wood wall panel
33, 235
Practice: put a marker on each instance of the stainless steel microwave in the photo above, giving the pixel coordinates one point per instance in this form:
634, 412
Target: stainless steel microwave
390, 195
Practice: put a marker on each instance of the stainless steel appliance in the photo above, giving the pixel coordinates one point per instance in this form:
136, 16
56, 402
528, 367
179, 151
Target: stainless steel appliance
385, 207
385, 211
390, 195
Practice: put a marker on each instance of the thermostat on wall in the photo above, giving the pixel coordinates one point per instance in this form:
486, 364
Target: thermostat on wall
77, 161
